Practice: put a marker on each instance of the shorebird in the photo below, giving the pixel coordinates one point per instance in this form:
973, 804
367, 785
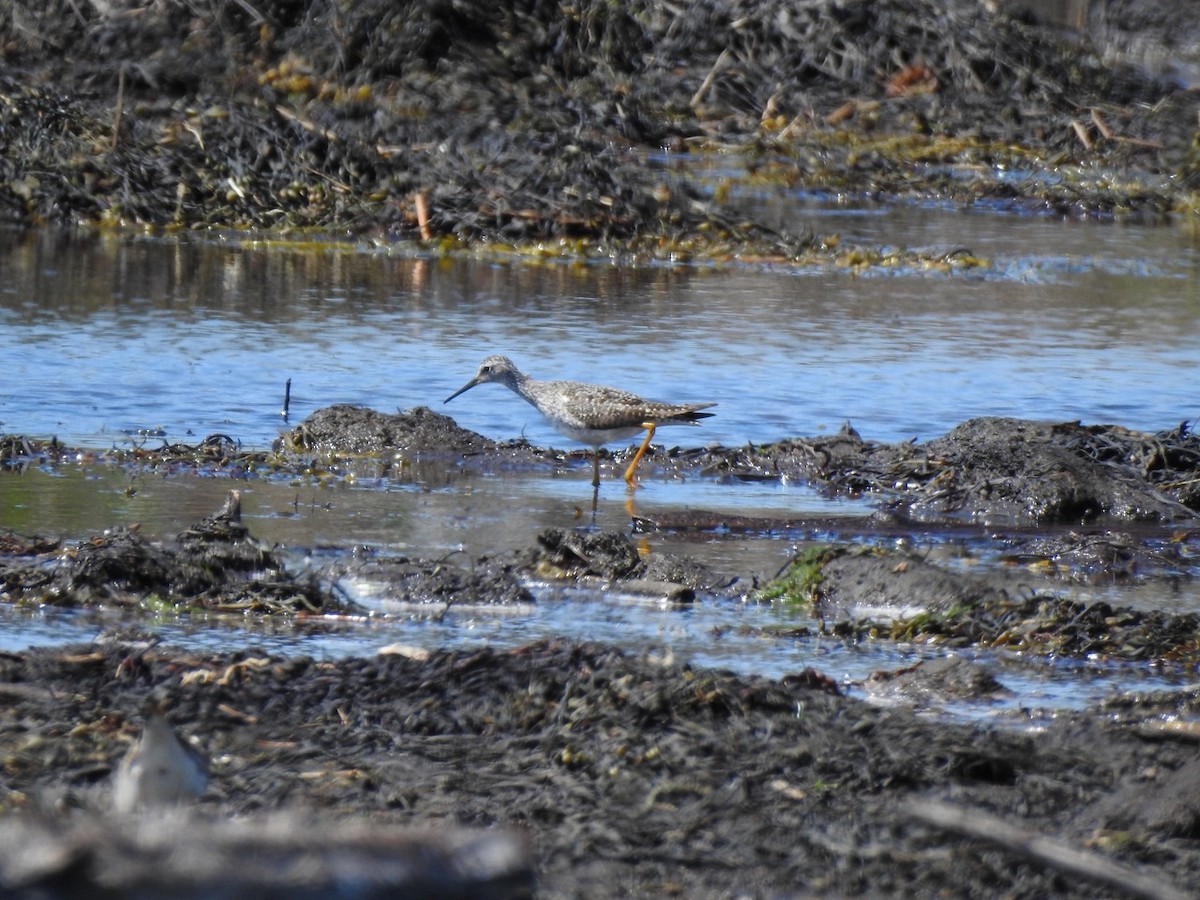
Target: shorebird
591, 414
159, 770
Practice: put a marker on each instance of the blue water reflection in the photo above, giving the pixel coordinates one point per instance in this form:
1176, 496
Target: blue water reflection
106, 338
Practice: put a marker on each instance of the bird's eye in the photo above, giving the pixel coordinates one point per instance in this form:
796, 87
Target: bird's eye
486, 369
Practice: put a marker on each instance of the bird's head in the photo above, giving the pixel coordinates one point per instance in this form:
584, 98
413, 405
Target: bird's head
500, 369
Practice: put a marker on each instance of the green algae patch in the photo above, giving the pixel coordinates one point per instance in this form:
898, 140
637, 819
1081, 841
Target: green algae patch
799, 586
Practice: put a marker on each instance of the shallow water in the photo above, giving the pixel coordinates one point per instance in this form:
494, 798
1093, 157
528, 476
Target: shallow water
138, 341
106, 338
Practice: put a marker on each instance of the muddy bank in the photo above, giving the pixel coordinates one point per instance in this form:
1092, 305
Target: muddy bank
1039, 507
465, 125
634, 775
994, 471
214, 566
1002, 471
867, 593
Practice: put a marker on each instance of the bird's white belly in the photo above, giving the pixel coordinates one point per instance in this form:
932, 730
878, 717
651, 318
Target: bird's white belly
594, 438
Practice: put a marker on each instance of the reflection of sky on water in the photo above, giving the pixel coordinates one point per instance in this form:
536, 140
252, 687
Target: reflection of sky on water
718, 635
101, 338
105, 338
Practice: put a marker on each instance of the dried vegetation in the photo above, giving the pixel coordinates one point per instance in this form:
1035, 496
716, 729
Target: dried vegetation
572, 130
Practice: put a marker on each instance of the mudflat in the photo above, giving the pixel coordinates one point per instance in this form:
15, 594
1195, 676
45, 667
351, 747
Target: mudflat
614, 773
469, 127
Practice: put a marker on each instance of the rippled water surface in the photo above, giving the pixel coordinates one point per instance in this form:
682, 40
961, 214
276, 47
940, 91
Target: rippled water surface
116, 341
1075, 320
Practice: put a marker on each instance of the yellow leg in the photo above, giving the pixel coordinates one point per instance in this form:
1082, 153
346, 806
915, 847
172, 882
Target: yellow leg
637, 457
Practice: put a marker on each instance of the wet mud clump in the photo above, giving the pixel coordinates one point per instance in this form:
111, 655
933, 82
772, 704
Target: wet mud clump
1108, 556
999, 470
389, 583
355, 429
343, 438
581, 557
216, 565
867, 593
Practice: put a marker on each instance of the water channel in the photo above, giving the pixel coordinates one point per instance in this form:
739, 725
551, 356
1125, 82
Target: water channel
115, 341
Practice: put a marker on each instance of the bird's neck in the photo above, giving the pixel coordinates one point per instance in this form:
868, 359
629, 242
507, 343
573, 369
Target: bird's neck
520, 384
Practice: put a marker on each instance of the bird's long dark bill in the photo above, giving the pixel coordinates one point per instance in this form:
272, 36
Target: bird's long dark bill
466, 387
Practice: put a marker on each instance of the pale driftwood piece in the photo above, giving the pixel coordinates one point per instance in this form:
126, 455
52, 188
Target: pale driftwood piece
298, 853
1043, 850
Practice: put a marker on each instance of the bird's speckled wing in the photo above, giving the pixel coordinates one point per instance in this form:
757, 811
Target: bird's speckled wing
601, 408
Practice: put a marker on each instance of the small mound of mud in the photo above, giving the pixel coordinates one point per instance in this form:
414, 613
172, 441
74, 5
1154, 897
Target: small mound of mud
859, 583
355, 429
606, 555
13, 544
687, 571
1046, 472
216, 565
863, 592
931, 682
1000, 470
843, 461
1105, 557
1168, 804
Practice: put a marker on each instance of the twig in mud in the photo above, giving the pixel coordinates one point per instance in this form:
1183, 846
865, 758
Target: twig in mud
118, 108
181, 191
306, 123
423, 216
256, 18
841, 114
1140, 142
1037, 847
722, 59
1101, 125
1081, 133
